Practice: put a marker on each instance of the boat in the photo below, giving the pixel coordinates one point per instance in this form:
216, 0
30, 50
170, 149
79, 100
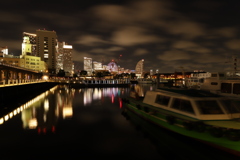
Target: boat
221, 84
145, 81
201, 115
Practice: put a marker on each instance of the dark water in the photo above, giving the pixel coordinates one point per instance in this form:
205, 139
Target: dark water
88, 124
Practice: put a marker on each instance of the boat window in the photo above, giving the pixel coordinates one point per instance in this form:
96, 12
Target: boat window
209, 107
226, 87
221, 75
214, 83
163, 100
214, 75
183, 105
231, 106
236, 88
201, 80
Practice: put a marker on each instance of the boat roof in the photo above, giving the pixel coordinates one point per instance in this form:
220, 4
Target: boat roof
188, 92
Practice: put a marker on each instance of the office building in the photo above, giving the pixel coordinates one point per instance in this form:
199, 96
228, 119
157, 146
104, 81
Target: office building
88, 66
41, 44
64, 58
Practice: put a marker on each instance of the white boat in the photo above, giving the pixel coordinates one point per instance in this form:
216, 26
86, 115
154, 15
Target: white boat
198, 114
145, 81
221, 84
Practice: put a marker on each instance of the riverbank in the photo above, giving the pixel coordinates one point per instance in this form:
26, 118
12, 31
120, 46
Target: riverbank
17, 94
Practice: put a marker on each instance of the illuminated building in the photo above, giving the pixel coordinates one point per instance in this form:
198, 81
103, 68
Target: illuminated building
97, 66
33, 62
29, 44
3, 51
10, 59
139, 69
64, 57
87, 66
43, 45
46, 48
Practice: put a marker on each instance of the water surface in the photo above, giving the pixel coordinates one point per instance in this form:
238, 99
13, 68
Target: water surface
88, 123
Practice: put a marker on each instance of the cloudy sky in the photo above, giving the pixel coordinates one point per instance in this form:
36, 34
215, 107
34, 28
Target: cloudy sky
167, 34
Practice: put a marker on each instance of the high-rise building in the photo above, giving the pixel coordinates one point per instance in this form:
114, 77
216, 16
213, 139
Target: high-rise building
139, 69
41, 44
88, 66
46, 48
64, 57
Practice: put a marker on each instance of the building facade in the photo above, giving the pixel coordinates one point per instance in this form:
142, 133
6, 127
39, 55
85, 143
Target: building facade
46, 48
139, 69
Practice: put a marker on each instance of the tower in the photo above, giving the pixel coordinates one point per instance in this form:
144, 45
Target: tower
139, 69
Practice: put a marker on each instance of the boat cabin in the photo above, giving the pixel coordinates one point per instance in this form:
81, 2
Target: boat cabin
195, 104
221, 84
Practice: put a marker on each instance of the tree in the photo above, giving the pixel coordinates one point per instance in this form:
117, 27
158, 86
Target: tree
99, 74
133, 75
83, 73
61, 73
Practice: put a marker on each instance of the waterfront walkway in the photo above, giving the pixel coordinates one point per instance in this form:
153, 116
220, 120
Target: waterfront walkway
72, 83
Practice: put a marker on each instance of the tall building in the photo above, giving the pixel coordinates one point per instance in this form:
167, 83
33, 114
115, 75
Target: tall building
46, 48
87, 65
139, 69
42, 44
64, 57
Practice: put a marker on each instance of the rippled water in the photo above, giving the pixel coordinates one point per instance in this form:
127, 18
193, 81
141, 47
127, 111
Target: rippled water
88, 123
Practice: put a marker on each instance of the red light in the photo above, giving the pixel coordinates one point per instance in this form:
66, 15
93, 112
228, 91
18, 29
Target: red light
53, 129
39, 130
112, 98
44, 130
120, 102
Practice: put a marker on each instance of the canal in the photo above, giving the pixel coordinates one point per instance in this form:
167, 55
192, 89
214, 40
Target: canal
87, 123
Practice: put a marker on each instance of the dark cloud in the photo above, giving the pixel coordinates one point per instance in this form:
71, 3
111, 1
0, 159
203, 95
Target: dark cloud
198, 34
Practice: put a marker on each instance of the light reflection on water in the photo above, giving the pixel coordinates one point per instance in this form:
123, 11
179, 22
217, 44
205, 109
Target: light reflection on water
88, 122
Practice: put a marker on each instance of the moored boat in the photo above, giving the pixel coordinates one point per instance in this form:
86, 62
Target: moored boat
197, 114
145, 81
221, 84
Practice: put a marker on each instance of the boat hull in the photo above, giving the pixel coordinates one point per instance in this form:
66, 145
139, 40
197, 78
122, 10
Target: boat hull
151, 114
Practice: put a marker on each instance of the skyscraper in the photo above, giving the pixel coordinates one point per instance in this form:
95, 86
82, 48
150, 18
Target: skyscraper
88, 66
64, 57
46, 48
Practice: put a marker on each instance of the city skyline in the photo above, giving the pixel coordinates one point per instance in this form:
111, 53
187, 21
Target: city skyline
167, 34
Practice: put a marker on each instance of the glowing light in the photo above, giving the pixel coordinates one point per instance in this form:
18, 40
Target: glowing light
45, 77
120, 102
6, 117
112, 98
11, 115
67, 112
32, 123
1, 120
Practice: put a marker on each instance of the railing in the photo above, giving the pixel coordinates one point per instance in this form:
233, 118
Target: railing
12, 82
102, 81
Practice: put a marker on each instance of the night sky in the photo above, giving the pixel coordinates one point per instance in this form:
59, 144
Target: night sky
167, 34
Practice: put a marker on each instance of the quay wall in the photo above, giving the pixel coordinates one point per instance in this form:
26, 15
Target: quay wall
17, 94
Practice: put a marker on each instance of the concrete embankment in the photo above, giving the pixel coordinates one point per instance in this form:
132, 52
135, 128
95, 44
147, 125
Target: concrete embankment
17, 94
